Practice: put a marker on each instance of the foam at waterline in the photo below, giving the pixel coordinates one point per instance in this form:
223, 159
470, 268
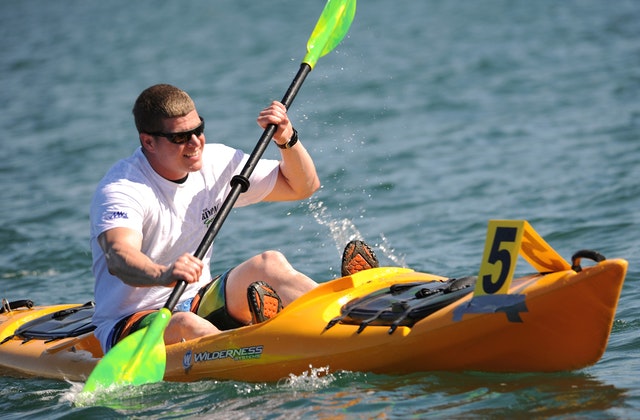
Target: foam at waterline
309, 380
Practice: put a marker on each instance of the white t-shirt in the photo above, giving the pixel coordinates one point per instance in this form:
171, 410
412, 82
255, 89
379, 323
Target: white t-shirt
172, 218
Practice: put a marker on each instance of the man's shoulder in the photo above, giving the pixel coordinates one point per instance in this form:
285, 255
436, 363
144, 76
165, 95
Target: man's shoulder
126, 174
129, 168
219, 158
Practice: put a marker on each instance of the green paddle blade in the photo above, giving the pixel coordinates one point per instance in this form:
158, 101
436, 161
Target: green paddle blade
138, 359
332, 26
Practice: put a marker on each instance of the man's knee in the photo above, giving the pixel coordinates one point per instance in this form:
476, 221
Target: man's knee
183, 319
187, 325
267, 265
271, 257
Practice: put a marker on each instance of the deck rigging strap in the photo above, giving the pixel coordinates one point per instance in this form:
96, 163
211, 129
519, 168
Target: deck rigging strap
65, 323
402, 304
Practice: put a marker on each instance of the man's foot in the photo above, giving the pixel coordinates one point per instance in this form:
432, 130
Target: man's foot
264, 302
357, 256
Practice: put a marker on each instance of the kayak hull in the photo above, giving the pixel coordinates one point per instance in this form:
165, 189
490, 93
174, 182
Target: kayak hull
548, 322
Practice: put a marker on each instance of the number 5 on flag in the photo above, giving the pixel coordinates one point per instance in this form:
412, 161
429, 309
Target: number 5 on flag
506, 239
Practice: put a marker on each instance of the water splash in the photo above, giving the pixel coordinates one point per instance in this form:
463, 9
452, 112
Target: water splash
389, 252
309, 380
344, 230
74, 394
341, 230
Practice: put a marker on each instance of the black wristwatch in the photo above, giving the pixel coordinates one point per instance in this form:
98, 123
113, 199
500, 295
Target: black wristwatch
292, 141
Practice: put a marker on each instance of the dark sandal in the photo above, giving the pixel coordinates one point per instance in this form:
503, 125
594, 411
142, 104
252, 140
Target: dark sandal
358, 256
264, 302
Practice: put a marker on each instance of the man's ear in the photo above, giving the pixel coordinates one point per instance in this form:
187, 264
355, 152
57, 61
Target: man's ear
147, 142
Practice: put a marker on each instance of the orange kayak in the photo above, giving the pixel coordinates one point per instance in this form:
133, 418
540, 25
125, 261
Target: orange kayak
386, 320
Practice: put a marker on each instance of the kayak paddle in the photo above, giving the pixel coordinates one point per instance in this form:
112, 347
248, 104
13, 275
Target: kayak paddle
140, 357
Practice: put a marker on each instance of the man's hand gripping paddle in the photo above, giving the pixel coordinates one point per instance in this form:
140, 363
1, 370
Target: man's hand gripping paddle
140, 358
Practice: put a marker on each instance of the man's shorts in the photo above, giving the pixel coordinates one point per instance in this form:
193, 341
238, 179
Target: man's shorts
209, 303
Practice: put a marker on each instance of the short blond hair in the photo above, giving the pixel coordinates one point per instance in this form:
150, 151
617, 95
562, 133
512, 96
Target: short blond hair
157, 103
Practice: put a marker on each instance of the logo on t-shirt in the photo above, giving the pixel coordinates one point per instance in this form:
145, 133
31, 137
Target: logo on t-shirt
208, 215
112, 215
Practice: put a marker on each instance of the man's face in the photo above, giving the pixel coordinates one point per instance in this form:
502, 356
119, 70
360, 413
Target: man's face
175, 161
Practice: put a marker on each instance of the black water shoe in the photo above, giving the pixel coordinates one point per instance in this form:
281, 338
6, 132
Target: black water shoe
357, 256
264, 302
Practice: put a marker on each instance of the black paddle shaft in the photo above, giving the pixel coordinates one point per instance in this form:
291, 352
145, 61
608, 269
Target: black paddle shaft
240, 183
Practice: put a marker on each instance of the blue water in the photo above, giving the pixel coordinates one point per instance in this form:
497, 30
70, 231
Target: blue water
431, 118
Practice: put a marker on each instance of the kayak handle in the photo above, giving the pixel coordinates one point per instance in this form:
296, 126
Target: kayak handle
9, 306
585, 253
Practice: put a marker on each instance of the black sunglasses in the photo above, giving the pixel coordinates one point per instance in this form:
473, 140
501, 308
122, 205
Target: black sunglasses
184, 136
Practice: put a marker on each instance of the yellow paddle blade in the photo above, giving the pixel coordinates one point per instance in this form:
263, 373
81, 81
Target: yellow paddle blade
332, 26
138, 359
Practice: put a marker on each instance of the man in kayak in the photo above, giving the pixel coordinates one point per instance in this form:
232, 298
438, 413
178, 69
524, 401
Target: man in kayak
152, 209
